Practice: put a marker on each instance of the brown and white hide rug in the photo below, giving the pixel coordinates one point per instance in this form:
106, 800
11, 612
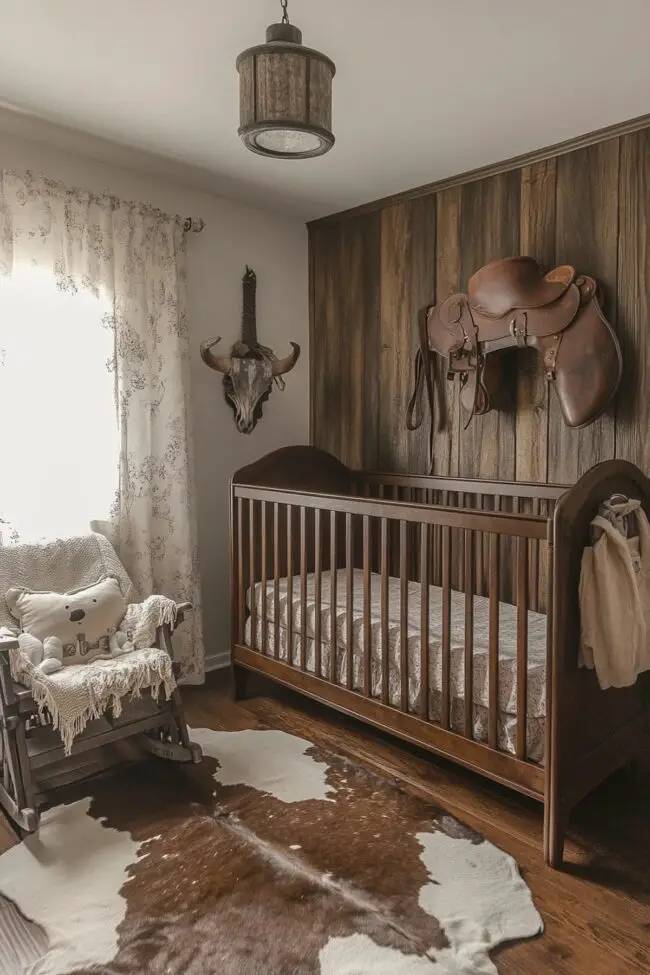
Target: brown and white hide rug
273, 857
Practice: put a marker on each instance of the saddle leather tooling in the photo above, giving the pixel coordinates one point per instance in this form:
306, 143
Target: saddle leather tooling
511, 303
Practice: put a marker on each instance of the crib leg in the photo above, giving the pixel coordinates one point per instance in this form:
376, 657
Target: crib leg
554, 834
238, 682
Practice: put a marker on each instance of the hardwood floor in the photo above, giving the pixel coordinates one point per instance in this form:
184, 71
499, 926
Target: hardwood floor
596, 912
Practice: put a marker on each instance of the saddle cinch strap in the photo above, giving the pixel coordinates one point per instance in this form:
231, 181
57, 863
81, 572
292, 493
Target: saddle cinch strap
423, 381
513, 304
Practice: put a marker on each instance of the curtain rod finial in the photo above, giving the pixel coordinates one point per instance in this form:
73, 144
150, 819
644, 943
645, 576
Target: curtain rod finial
193, 225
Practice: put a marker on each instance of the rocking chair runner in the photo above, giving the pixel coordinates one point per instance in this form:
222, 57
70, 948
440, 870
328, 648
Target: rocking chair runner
28, 744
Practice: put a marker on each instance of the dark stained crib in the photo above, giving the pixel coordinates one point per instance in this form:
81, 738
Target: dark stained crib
456, 622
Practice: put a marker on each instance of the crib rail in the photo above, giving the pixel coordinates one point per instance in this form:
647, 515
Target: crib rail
392, 607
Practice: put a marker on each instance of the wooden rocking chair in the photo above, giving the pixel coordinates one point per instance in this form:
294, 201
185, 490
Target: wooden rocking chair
32, 756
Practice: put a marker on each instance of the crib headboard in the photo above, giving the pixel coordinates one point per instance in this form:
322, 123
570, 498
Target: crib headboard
298, 468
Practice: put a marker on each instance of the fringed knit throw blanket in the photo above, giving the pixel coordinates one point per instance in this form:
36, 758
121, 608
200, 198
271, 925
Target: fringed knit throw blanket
80, 693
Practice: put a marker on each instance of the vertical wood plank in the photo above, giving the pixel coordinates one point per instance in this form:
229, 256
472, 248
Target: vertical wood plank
633, 407
396, 339
350, 327
367, 365
422, 216
586, 236
448, 279
358, 278
487, 446
326, 335
536, 239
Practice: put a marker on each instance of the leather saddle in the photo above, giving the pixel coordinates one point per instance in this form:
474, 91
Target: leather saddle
511, 303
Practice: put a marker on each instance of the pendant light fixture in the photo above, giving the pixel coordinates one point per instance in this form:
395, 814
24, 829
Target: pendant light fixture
285, 95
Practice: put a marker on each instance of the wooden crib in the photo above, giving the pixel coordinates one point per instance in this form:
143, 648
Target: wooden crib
448, 592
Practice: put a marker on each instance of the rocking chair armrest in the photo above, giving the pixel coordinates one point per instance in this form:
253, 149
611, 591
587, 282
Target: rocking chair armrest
6, 683
181, 610
164, 632
8, 643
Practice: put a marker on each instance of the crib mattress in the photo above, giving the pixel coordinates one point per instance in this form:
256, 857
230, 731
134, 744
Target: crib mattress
290, 620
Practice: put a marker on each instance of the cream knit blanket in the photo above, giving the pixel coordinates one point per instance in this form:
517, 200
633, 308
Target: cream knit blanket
78, 693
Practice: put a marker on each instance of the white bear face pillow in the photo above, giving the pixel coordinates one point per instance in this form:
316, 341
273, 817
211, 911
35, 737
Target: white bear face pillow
83, 620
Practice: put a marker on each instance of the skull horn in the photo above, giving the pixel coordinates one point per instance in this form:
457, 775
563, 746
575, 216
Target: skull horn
218, 362
280, 366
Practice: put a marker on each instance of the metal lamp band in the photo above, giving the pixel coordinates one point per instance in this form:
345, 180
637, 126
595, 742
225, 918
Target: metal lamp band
248, 132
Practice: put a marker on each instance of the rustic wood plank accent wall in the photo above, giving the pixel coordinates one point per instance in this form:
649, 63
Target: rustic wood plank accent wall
371, 270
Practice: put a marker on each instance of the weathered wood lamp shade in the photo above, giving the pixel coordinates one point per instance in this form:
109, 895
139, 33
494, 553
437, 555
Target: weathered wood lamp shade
285, 96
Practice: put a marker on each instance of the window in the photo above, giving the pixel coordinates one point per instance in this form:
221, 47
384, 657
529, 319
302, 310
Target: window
60, 443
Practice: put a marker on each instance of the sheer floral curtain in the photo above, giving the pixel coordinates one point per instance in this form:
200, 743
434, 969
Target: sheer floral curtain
94, 392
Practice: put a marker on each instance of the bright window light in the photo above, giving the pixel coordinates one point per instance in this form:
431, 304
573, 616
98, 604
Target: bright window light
57, 408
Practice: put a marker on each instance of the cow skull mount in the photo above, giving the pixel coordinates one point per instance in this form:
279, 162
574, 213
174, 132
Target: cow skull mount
251, 368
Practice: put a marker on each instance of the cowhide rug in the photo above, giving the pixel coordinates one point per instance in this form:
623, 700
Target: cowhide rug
272, 858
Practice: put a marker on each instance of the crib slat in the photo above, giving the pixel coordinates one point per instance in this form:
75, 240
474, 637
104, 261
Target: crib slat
252, 572
522, 645
424, 620
349, 601
367, 629
478, 563
469, 633
533, 560
303, 588
265, 615
276, 580
384, 609
403, 615
318, 592
493, 682
241, 590
446, 625
290, 614
333, 598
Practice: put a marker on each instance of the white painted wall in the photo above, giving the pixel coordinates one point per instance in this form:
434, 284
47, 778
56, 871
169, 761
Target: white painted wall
235, 235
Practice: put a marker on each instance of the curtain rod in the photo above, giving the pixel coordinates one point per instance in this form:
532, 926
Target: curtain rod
193, 225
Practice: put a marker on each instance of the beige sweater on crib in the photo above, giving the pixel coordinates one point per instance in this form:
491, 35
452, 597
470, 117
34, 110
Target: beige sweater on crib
615, 604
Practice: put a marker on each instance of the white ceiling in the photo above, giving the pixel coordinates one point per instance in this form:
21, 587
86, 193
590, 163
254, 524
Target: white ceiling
424, 88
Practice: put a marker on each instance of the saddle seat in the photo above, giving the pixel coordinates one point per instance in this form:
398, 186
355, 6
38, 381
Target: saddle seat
516, 282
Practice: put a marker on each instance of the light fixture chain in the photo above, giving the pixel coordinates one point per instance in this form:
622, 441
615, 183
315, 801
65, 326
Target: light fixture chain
285, 15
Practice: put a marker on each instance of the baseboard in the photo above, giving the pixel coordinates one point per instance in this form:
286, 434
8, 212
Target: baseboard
216, 661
